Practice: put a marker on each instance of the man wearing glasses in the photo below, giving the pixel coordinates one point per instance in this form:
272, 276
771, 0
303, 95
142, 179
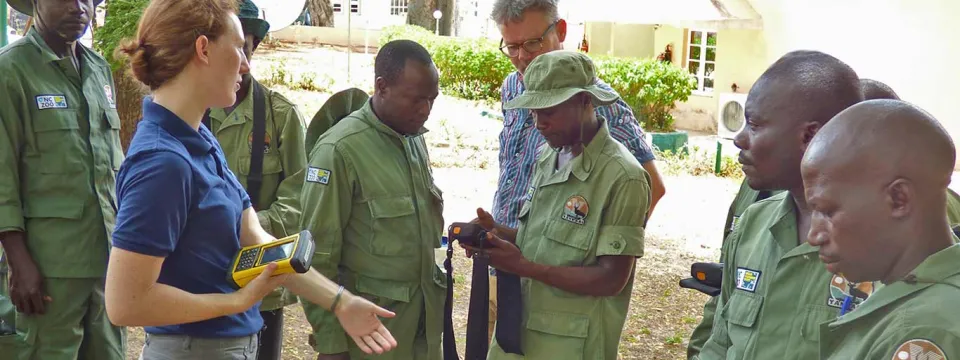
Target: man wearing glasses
530, 28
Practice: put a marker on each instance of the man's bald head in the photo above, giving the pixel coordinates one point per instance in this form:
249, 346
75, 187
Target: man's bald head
873, 89
794, 97
877, 175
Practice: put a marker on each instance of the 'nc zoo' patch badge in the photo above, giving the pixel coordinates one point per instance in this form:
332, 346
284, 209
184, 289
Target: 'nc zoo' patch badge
747, 279
51, 102
318, 175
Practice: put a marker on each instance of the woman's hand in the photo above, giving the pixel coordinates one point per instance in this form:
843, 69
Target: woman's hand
359, 319
258, 288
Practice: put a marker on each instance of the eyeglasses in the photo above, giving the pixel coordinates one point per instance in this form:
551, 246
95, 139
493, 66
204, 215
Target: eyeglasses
530, 46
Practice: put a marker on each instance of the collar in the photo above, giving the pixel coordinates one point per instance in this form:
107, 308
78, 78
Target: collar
46, 53
582, 165
197, 142
370, 118
240, 114
784, 226
935, 269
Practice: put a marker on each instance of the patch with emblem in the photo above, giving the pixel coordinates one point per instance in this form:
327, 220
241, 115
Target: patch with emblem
51, 102
109, 93
733, 223
747, 279
575, 210
530, 192
919, 349
840, 288
318, 175
266, 143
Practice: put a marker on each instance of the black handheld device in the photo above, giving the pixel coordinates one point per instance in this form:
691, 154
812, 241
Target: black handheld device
705, 278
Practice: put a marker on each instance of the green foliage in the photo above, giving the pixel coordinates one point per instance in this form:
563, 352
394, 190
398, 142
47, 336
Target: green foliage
120, 23
474, 69
652, 88
692, 160
471, 69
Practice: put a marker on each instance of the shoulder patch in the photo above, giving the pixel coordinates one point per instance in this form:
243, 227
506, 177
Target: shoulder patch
318, 175
919, 349
747, 279
575, 210
109, 93
51, 102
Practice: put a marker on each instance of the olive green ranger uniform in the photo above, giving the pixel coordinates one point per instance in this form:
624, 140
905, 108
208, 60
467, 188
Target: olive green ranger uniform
59, 154
914, 318
284, 159
746, 196
377, 217
594, 206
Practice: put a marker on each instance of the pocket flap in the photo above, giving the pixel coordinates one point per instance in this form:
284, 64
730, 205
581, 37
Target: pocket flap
562, 324
389, 207
60, 121
271, 164
40, 207
743, 308
390, 289
569, 234
113, 120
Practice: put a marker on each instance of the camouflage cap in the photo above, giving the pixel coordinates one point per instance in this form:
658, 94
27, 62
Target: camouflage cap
557, 76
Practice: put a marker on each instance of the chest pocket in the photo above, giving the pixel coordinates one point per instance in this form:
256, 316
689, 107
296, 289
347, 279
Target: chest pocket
59, 142
113, 137
566, 244
813, 316
741, 314
271, 164
394, 226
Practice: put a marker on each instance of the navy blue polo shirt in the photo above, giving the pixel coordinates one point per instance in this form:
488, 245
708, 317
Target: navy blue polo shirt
178, 200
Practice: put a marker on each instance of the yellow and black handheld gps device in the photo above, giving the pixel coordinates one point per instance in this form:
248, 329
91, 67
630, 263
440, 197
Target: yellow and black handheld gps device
291, 254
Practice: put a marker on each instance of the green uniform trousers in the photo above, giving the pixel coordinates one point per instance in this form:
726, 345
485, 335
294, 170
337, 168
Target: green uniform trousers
75, 325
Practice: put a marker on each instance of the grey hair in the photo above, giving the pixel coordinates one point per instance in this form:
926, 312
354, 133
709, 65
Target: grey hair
512, 10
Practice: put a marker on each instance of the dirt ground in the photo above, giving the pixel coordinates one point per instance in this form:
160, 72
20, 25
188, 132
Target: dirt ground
685, 227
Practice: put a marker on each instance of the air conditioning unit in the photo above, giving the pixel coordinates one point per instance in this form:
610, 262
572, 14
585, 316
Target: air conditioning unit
730, 115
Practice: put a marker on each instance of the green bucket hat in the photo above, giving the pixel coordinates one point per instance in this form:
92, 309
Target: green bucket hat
557, 76
337, 107
26, 6
251, 21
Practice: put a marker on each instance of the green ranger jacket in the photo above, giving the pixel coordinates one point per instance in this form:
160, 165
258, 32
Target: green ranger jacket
59, 155
594, 206
915, 318
377, 217
746, 196
284, 160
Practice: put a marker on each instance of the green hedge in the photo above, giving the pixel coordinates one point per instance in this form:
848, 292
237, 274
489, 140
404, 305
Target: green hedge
474, 69
121, 23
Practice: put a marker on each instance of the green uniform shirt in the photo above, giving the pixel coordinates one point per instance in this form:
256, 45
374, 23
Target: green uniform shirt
377, 217
953, 208
903, 320
775, 293
745, 197
594, 206
284, 160
59, 156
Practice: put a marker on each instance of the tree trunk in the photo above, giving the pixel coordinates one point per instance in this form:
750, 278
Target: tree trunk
321, 12
130, 95
420, 12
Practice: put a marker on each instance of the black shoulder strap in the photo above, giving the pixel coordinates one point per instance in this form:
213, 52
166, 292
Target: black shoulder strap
255, 179
206, 120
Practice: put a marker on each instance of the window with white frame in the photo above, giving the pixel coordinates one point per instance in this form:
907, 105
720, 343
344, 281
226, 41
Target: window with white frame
398, 7
702, 58
354, 6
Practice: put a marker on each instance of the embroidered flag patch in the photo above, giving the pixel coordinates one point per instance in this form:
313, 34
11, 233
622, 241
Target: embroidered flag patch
747, 279
318, 175
51, 102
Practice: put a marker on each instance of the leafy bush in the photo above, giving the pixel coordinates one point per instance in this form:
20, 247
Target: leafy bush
121, 23
474, 69
652, 88
692, 160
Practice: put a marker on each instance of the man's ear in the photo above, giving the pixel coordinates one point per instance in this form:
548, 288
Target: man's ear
380, 85
810, 130
202, 49
899, 197
561, 29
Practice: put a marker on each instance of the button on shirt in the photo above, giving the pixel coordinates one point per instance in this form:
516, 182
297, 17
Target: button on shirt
519, 141
179, 201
